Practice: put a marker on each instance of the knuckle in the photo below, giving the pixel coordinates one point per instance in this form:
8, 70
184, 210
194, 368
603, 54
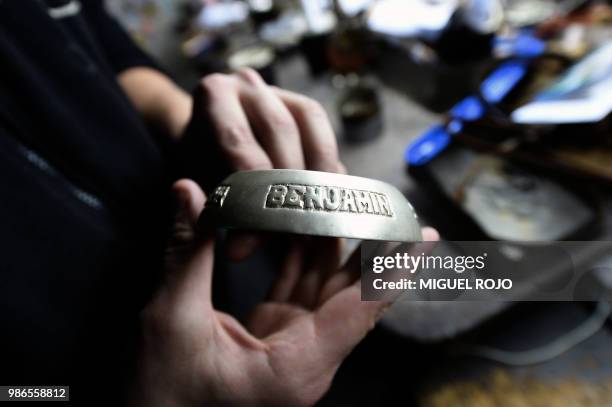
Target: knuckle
214, 82
250, 76
241, 148
236, 136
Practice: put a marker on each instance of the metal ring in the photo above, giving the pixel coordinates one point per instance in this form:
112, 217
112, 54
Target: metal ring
313, 203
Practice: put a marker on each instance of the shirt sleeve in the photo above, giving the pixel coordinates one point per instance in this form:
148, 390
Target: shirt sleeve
119, 48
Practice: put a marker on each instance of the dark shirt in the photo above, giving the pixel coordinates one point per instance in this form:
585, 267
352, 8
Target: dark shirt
84, 204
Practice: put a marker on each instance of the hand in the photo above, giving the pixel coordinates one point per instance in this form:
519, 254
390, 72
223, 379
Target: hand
193, 355
256, 126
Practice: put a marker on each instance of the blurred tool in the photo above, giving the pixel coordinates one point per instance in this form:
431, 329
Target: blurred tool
493, 89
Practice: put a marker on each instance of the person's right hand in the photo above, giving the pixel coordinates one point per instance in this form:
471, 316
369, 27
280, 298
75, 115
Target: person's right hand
258, 126
193, 355
251, 125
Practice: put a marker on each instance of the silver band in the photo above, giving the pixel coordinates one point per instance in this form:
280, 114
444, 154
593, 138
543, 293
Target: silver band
313, 203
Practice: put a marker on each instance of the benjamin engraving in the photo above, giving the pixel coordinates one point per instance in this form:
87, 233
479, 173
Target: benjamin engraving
327, 198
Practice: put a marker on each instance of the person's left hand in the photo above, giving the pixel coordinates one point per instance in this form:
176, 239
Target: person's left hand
288, 352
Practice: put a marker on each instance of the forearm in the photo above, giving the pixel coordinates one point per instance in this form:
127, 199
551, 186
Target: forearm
160, 101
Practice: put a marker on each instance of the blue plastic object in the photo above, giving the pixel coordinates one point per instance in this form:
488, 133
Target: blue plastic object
502, 80
427, 146
469, 109
524, 45
493, 89
454, 126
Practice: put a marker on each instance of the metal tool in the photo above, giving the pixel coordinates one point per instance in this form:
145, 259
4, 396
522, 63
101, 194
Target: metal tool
312, 203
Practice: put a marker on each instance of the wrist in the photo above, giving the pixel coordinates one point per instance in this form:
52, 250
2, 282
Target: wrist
159, 100
174, 114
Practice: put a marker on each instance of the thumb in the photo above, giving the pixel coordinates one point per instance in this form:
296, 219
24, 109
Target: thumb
190, 251
344, 319
189, 201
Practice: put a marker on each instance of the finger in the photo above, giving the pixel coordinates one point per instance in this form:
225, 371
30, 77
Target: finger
272, 122
415, 249
346, 276
430, 234
239, 245
290, 274
336, 283
344, 320
191, 199
317, 135
220, 101
190, 202
323, 257
193, 262
352, 269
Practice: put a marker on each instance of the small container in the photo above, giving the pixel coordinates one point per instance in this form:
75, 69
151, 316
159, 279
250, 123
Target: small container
360, 113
